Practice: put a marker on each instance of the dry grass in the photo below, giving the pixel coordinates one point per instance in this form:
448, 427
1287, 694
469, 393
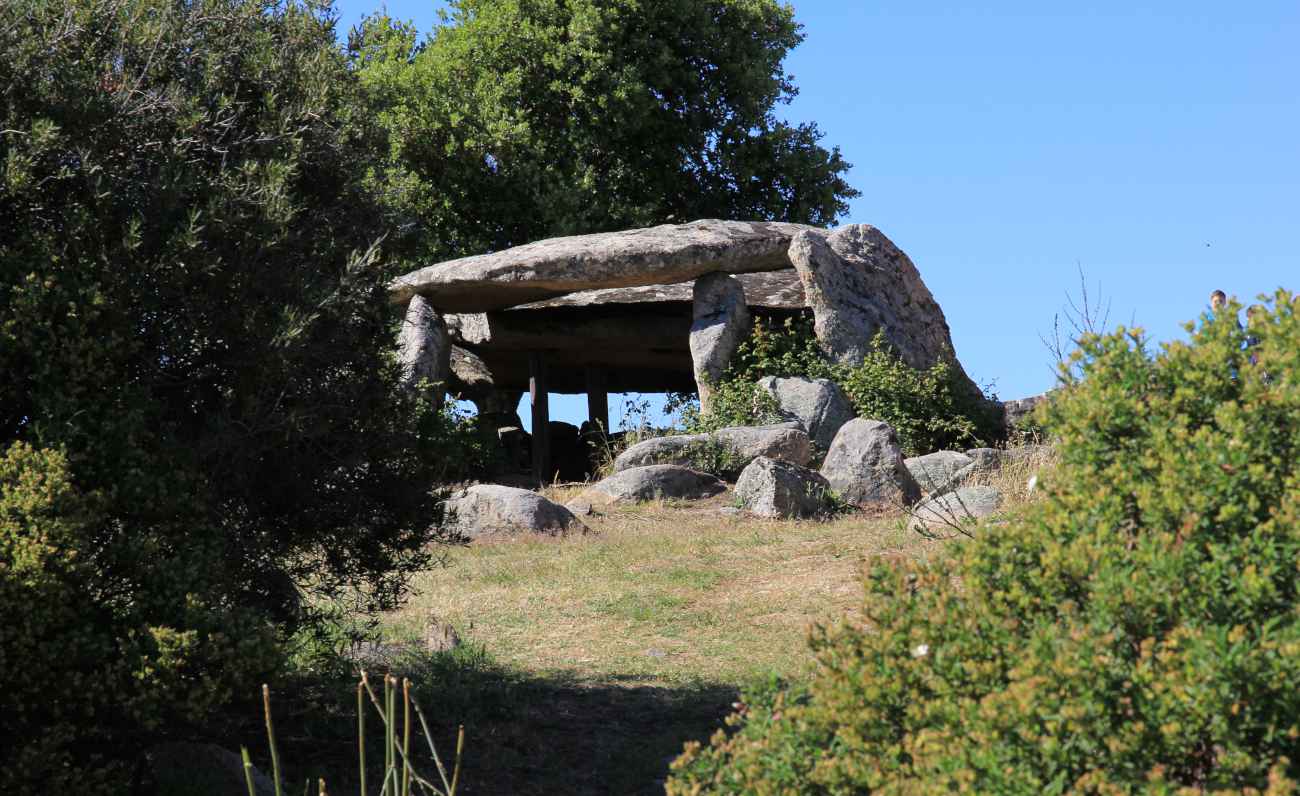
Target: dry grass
659, 593
605, 652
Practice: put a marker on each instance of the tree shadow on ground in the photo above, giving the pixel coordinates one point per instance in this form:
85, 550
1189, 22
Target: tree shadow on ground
570, 737
525, 733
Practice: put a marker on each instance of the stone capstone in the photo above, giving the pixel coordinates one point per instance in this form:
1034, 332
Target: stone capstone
956, 508
720, 323
489, 509
725, 452
775, 290
858, 283
548, 268
424, 348
818, 405
864, 466
777, 489
938, 472
639, 484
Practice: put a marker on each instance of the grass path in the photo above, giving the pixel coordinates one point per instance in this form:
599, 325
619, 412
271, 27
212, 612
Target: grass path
621, 644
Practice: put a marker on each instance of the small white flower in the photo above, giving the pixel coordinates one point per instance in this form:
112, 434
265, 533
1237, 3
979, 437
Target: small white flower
1033, 482
920, 650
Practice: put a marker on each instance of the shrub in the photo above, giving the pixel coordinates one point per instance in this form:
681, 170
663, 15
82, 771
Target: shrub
928, 408
1137, 630
196, 341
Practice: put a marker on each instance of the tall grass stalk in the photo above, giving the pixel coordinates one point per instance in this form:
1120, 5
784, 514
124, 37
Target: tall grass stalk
396, 781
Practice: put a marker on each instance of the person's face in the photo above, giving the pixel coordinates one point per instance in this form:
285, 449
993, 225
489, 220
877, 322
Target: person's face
1217, 301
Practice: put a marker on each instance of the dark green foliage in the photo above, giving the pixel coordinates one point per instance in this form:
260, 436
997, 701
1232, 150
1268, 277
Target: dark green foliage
928, 408
199, 412
524, 119
1138, 630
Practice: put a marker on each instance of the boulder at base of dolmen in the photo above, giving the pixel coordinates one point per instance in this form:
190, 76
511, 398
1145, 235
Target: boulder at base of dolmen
940, 471
819, 405
654, 481
490, 510
865, 467
776, 489
956, 508
727, 451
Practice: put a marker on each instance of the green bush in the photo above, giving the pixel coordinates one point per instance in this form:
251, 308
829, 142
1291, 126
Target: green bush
1137, 630
928, 408
200, 411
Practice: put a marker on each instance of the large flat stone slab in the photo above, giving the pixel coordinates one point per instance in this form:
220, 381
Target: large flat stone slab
775, 290
653, 256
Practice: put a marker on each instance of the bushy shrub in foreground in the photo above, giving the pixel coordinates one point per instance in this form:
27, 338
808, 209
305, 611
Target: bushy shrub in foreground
928, 408
200, 414
1137, 630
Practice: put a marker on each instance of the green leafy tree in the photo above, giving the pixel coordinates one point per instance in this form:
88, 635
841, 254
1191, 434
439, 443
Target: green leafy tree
522, 119
1136, 631
200, 415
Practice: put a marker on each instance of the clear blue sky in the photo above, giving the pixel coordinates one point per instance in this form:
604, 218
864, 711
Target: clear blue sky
1003, 145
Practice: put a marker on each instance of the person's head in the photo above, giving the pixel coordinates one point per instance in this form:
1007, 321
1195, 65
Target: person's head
1218, 299
1254, 314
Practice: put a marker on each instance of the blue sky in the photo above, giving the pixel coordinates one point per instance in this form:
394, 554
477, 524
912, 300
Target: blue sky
1005, 145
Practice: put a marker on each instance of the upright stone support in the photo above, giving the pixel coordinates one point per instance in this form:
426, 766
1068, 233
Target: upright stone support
541, 417
424, 348
858, 283
597, 399
721, 322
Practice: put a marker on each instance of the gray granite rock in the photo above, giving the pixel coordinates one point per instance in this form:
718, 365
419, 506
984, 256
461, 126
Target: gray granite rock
956, 508
424, 348
776, 489
865, 466
935, 471
859, 283
490, 509
653, 481
720, 323
1016, 412
725, 452
656, 255
819, 405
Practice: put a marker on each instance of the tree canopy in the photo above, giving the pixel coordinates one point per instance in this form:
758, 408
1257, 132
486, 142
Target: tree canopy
522, 119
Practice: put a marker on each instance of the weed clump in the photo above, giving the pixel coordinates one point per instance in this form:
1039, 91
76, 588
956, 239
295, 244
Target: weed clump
1134, 631
928, 408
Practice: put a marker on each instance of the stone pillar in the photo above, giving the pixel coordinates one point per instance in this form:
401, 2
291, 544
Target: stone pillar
721, 323
537, 388
597, 399
424, 348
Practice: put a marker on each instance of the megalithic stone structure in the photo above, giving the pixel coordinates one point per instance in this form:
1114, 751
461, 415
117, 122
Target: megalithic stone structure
720, 324
424, 348
858, 283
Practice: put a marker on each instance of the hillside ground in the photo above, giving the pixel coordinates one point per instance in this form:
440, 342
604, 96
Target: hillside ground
595, 657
